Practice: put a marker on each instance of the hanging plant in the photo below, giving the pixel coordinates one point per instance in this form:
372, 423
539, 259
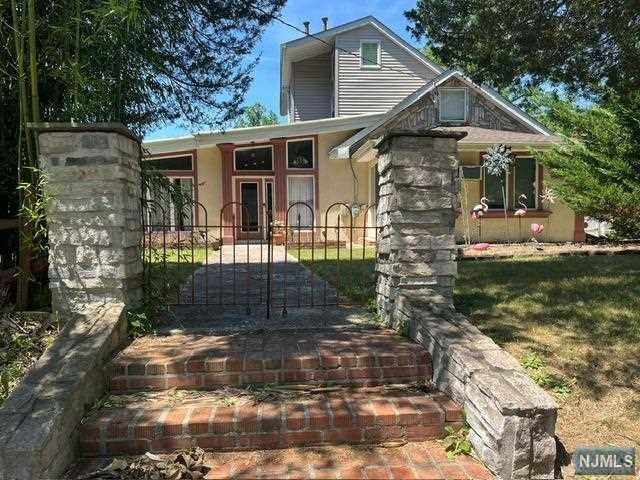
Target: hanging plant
497, 161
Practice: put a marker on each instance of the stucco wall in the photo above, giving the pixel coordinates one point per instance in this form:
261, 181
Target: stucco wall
558, 227
336, 180
210, 183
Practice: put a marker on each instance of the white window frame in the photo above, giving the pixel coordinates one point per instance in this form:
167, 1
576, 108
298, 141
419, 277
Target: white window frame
235, 169
444, 90
313, 181
313, 153
379, 59
536, 183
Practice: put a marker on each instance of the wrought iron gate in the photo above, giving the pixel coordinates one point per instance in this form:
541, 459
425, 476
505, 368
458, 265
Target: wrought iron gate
189, 260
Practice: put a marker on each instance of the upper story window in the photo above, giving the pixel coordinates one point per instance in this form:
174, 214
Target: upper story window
182, 162
370, 54
300, 153
453, 104
254, 158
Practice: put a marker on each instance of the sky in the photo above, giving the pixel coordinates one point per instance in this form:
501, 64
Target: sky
265, 86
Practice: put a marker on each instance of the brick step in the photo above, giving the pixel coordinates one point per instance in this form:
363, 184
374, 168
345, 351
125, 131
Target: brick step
206, 362
331, 419
412, 461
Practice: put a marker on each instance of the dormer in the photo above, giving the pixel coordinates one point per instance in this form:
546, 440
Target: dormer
357, 68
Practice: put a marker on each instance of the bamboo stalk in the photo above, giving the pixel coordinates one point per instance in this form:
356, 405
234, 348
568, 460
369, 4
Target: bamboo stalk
24, 232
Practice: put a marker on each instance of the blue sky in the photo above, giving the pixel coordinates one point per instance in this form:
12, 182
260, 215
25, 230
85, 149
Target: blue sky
267, 74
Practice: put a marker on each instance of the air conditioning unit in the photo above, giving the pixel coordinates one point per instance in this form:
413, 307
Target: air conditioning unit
471, 172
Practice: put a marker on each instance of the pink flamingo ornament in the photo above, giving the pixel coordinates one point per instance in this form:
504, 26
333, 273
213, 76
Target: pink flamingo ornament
536, 228
478, 211
480, 247
521, 212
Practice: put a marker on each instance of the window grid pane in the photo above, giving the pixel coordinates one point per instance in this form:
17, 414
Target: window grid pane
369, 53
260, 158
525, 181
300, 154
493, 186
452, 104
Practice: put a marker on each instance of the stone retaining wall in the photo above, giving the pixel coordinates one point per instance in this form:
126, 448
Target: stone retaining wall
40, 419
511, 419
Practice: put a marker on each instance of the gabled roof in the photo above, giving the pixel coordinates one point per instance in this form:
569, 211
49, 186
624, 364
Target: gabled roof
316, 44
347, 148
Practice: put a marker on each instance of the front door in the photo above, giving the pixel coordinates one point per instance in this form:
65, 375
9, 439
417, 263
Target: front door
248, 215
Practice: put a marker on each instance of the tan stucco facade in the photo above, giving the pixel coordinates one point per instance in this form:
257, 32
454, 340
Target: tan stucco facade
351, 182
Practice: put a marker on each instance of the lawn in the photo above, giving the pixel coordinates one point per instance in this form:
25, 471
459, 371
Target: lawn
172, 272
574, 323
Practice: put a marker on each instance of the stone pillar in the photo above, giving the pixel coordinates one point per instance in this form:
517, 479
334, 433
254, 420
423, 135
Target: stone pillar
94, 214
417, 208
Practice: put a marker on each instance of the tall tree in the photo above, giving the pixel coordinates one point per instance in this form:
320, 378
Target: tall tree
140, 62
256, 115
583, 44
597, 169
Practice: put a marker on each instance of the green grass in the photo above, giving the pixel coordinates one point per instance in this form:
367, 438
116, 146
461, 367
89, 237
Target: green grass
353, 275
574, 323
164, 278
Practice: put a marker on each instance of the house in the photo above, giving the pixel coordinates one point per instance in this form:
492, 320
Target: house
341, 89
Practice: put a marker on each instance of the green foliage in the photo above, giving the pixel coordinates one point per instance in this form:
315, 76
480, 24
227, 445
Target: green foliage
404, 329
256, 115
540, 374
139, 322
596, 170
23, 338
456, 442
583, 44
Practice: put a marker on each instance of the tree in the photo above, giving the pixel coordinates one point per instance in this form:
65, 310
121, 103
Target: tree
256, 115
582, 44
143, 63
597, 170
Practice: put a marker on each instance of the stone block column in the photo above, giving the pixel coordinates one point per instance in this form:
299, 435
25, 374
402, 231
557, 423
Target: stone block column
417, 207
94, 214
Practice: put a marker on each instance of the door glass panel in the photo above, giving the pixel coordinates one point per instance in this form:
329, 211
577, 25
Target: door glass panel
269, 198
249, 195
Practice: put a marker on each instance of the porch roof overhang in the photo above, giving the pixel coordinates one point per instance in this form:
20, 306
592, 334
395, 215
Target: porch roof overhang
355, 146
262, 133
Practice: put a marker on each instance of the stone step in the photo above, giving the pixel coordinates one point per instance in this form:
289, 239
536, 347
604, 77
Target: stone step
330, 419
203, 362
411, 461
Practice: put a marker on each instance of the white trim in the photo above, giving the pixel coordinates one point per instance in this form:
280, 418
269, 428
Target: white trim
253, 147
336, 81
314, 208
313, 153
443, 90
263, 133
378, 64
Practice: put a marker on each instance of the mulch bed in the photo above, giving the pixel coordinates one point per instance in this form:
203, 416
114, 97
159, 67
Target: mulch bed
501, 251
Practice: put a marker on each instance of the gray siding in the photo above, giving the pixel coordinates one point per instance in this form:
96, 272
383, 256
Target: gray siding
311, 88
373, 91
